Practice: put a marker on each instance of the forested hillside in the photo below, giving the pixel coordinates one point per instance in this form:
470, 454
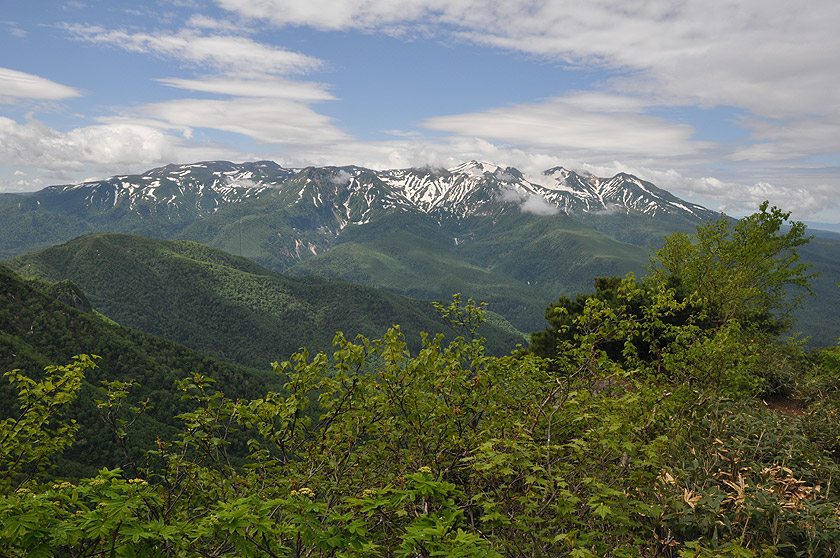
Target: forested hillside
516, 262
665, 417
37, 330
226, 306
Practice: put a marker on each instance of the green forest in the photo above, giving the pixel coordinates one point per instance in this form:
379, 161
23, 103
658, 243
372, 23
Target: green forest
666, 415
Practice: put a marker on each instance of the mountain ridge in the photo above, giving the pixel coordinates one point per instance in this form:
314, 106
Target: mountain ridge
228, 307
206, 187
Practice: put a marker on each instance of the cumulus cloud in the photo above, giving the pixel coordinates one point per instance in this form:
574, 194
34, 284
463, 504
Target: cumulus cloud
20, 85
109, 148
528, 203
341, 178
35, 144
538, 205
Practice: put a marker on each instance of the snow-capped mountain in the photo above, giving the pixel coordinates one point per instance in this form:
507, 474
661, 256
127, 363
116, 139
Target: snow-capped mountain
293, 214
509, 239
573, 192
353, 194
185, 191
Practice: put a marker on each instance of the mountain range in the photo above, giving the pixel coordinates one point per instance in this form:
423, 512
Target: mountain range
490, 232
165, 201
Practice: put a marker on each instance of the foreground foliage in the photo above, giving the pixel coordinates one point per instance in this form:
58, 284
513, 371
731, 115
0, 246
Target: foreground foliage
448, 453
642, 435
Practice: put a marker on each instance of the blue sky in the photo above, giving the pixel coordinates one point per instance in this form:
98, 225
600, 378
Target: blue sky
723, 103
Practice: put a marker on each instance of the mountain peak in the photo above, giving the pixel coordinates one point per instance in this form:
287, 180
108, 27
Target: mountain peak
475, 168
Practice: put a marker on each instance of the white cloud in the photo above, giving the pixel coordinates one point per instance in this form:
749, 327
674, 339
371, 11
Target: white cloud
763, 59
510, 195
610, 209
231, 54
35, 144
264, 105
200, 21
14, 29
760, 56
109, 148
401, 133
267, 87
676, 44
778, 141
575, 125
240, 182
341, 178
802, 198
534, 204
19, 85
331, 15
269, 121
802, 195
538, 206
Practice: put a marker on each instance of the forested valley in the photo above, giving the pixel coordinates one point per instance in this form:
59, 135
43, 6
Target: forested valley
669, 415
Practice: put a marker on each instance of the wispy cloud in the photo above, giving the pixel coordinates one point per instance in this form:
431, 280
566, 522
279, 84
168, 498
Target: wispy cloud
760, 56
230, 54
328, 14
262, 101
715, 52
609, 126
270, 121
647, 64
267, 87
20, 85
14, 29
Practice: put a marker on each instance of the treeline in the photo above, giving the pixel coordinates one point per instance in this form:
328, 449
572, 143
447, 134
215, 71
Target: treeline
641, 429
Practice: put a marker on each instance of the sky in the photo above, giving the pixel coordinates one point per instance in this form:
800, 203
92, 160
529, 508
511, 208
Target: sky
725, 103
